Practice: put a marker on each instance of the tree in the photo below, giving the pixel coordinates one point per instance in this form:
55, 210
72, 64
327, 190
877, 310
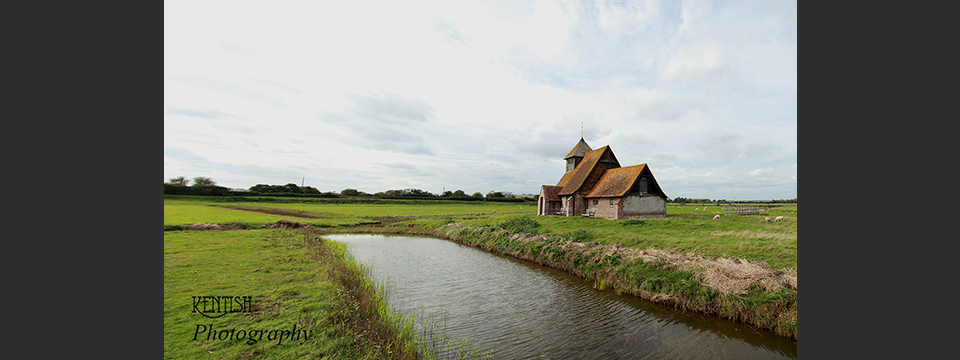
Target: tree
459, 193
179, 180
203, 181
260, 188
291, 188
496, 195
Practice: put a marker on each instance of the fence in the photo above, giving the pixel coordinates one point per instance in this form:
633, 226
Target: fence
742, 210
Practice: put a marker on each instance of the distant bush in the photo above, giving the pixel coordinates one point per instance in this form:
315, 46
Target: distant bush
172, 189
290, 188
353, 192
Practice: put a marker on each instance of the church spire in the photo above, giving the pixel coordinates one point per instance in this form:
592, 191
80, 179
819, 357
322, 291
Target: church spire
573, 158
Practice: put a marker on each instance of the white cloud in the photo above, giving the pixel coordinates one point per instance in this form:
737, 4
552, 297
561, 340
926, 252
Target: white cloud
694, 63
620, 17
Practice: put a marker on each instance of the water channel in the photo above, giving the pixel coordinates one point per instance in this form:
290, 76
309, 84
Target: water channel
514, 309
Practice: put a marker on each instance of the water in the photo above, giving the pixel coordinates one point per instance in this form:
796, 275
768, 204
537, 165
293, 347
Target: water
519, 310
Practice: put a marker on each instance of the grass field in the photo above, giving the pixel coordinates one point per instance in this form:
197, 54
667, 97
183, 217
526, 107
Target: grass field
690, 229
186, 214
305, 299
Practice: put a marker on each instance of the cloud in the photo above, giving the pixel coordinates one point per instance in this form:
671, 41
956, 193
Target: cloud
400, 166
237, 128
721, 146
694, 63
653, 104
276, 84
205, 113
620, 16
234, 49
450, 32
385, 121
213, 116
184, 155
228, 89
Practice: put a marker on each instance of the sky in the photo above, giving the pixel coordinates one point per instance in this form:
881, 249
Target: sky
481, 96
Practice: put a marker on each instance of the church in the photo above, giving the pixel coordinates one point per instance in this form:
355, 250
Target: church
595, 185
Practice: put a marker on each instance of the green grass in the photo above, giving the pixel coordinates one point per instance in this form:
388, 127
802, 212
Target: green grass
441, 208
744, 236
182, 214
390, 208
293, 279
186, 214
684, 228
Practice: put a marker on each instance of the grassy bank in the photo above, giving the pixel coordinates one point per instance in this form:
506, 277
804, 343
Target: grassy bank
306, 298
767, 306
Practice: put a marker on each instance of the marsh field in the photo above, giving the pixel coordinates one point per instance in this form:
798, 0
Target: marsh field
738, 267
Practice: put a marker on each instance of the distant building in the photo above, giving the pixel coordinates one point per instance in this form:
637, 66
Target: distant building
595, 185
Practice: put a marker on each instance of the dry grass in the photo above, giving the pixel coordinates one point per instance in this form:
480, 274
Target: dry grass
726, 275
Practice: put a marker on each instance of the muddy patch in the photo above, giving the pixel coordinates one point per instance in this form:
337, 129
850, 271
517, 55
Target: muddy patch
206, 226
281, 213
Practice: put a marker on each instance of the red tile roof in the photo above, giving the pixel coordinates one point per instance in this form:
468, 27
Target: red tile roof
583, 170
564, 178
616, 182
550, 192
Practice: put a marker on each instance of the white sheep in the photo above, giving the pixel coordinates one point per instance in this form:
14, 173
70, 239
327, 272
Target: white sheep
778, 219
494, 211
766, 219
716, 217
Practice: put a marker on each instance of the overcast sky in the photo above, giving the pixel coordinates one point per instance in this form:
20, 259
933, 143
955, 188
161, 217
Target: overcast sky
481, 96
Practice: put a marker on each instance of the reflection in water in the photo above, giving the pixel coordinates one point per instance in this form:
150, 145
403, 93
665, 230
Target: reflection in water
517, 309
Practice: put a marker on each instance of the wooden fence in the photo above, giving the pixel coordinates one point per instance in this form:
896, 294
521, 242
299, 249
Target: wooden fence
742, 210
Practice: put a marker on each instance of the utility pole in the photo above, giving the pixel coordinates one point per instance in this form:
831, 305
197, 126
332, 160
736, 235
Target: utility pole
301, 180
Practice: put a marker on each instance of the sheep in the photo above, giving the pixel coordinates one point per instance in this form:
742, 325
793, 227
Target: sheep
716, 217
766, 219
778, 219
494, 211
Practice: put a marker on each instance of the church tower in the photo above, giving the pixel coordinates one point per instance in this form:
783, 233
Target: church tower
575, 155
